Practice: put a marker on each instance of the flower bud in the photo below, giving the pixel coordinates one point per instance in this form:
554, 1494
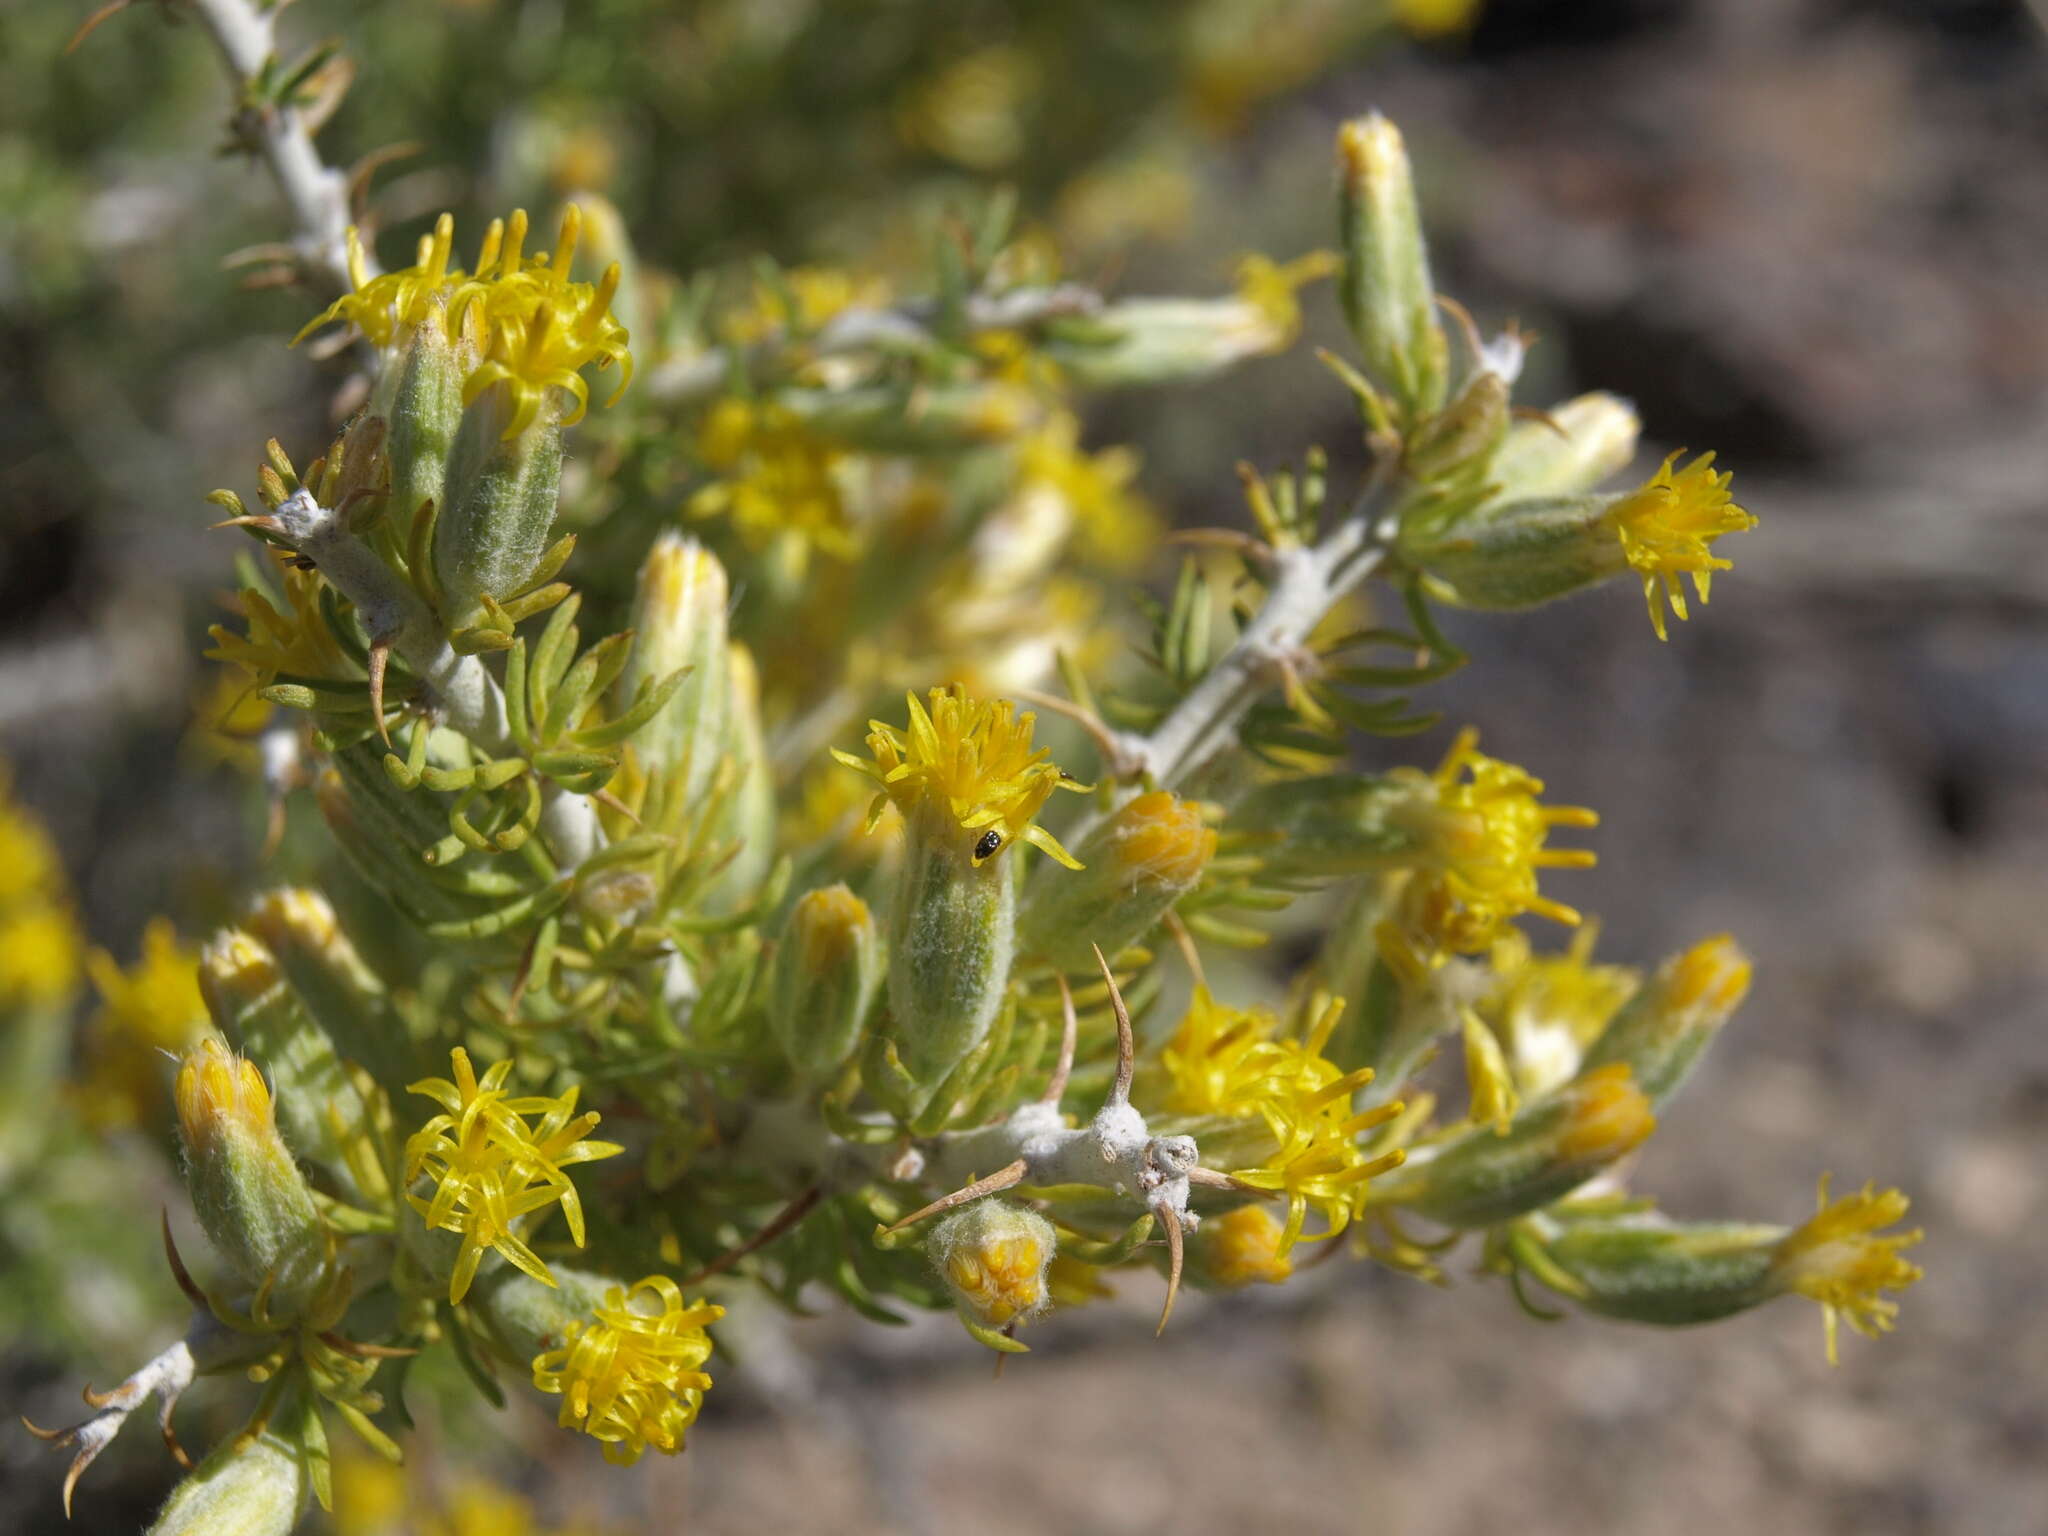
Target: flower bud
1460, 442
249, 1194
1568, 452
342, 994
1520, 554
1552, 1146
501, 494
993, 1258
1385, 286
679, 624
1661, 1031
952, 937
250, 1485
827, 973
382, 831
748, 815
320, 1104
1135, 866
1644, 1269
420, 395
1242, 1247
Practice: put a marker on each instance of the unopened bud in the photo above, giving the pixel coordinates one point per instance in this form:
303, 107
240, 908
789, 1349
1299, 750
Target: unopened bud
320, 1104
828, 971
501, 494
993, 1258
1135, 866
249, 1194
1335, 825
952, 938
1567, 452
252, 1484
748, 815
1242, 1247
421, 397
679, 624
1519, 554
344, 996
1661, 1031
1644, 1269
1385, 286
1555, 1144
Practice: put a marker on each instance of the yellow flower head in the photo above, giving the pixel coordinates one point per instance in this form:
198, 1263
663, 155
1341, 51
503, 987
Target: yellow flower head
1550, 1008
294, 640
1242, 1247
775, 477
220, 1094
1272, 291
1117, 527
993, 1257
1606, 1117
1666, 525
40, 948
154, 1007
525, 324
970, 762
1226, 1062
1484, 832
29, 870
630, 1377
493, 1164
1840, 1261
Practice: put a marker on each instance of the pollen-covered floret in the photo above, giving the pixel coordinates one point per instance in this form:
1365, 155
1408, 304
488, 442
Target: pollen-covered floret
631, 1377
1666, 525
970, 761
493, 1161
1840, 1260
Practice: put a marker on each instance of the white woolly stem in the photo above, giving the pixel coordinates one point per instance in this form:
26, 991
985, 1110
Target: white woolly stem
316, 193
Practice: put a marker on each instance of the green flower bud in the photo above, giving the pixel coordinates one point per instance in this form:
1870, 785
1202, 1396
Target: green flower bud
993, 1258
748, 817
249, 1194
1661, 1031
1135, 866
250, 1485
1480, 1176
1385, 286
320, 1103
1580, 444
952, 937
1644, 1269
679, 624
1520, 554
1461, 440
501, 496
828, 971
420, 395
383, 831
344, 996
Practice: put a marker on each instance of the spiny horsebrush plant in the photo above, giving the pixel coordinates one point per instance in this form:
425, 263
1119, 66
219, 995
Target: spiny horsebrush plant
832, 1011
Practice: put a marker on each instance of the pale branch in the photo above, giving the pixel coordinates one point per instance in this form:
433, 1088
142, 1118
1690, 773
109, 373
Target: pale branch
906, 327
316, 193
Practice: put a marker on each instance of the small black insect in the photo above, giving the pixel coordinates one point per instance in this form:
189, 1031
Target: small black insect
990, 841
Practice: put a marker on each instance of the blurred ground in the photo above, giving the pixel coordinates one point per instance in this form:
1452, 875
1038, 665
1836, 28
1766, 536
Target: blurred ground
1806, 233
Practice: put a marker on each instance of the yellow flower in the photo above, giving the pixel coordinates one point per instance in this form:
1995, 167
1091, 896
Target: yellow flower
1484, 832
1666, 525
1242, 1247
631, 1377
775, 477
969, 762
525, 324
1550, 1008
1225, 1062
154, 1008
29, 868
1840, 1261
1117, 527
1271, 290
221, 1094
294, 640
493, 1165
40, 949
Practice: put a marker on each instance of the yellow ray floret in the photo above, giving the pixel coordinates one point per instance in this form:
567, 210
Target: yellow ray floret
1840, 1261
971, 761
1666, 526
494, 1161
630, 1376
521, 321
